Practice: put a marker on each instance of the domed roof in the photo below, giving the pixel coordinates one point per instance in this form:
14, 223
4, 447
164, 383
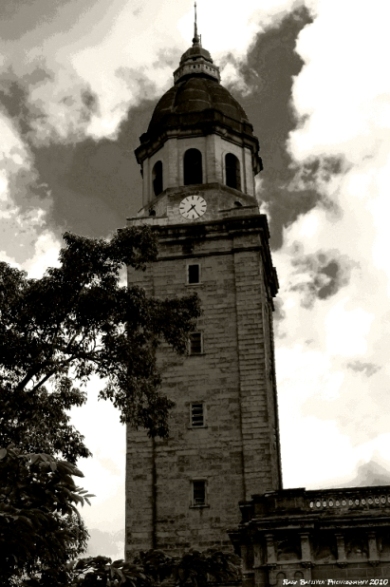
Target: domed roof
195, 51
194, 95
196, 105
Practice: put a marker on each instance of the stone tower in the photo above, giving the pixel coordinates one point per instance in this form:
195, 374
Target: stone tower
199, 159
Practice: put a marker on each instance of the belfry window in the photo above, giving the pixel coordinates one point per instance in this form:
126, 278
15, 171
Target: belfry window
193, 167
232, 169
157, 178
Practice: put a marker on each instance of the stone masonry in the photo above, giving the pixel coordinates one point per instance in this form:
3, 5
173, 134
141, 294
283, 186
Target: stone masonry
319, 537
236, 452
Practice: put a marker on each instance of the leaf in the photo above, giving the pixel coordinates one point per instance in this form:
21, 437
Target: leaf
56, 333
77, 472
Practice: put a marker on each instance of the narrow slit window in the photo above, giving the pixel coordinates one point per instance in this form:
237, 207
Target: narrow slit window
197, 415
196, 343
198, 493
157, 178
193, 275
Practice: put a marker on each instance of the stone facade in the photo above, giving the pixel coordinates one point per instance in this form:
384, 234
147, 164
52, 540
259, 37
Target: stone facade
236, 452
322, 537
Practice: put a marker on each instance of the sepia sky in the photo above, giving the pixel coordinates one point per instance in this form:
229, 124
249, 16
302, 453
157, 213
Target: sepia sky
78, 84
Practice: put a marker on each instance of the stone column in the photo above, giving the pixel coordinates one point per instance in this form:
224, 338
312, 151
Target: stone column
271, 552
372, 547
257, 555
341, 556
305, 547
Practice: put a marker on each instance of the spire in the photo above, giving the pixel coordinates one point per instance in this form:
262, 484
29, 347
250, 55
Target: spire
196, 60
196, 39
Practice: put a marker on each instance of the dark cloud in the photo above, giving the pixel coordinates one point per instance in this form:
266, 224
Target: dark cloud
37, 123
279, 311
269, 70
87, 186
137, 81
368, 474
367, 369
14, 99
169, 56
279, 316
19, 17
93, 185
320, 275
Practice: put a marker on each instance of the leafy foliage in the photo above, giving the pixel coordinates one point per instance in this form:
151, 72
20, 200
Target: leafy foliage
40, 527
154, 567
199, 568
77, 321
55, 333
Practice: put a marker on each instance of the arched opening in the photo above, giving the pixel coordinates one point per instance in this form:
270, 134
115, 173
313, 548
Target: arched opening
157, 178
233, 175
193, 167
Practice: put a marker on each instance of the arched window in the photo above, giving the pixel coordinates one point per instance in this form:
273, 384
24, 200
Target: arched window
233, 176
193, 167
157, 178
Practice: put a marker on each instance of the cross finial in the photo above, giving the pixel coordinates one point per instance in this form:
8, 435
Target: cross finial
196, 39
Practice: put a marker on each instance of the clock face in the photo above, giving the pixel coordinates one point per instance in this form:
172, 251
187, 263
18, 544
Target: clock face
193, 207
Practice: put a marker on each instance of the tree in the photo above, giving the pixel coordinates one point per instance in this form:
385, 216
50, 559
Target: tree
155, 568
40, 527
58, 331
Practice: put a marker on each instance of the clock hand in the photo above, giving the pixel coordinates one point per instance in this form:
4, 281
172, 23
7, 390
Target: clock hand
192, 207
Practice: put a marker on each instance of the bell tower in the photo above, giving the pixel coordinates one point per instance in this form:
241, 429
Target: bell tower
199, 159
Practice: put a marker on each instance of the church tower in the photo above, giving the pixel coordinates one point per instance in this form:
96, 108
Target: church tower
199, 159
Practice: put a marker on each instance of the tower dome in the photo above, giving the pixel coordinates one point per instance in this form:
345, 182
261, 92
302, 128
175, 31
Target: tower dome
198, 134
197, 104
195, 101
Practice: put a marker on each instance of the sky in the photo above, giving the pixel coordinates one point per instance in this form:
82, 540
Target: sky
78, 84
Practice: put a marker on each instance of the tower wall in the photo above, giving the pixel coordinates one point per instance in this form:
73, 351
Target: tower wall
184, 491
235, 453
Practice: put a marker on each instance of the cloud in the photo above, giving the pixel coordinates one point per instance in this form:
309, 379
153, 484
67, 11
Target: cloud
95, 185
19, 18
264, 88
46, 106
354, 121
23, 213
80, 123
370, 473
105, 543
368, 369
319, 275
50, 164
333, 264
